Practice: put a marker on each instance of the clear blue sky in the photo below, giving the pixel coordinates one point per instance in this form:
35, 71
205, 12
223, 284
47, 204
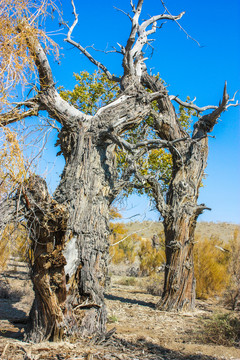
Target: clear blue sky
186, 67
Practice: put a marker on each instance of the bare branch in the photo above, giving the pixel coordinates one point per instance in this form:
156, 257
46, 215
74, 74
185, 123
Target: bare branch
48, 97
127, 14
41, 61
231, 100
122, 48
133, 6
135, 26
132, 233
207, 122
188, 36
158, 94
145, 145
104, 51
191, 105
156, 18
139, 6
157, 192
83, 50
16, 114
157, 144
166, 123
133, 62
122, 143
204, 108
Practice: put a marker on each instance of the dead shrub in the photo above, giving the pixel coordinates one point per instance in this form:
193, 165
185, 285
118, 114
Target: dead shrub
127, 281
222, 329
154, 284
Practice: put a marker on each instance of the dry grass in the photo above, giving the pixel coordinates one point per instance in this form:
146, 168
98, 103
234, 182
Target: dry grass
147, 229
221, 329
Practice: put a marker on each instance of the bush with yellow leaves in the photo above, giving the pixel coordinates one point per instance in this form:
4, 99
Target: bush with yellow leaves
211, 259
12, 174
122, 246
14, 242
232, 293
12, 169
151, 258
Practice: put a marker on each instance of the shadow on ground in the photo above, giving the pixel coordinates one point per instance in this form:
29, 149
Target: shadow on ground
130, 301
152, 351
12, 319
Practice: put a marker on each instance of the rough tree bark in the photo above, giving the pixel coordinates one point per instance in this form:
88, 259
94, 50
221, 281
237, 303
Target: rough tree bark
180, 209
47, 224
69, 231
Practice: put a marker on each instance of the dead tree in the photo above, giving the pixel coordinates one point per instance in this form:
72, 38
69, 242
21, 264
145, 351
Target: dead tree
69, 284
179, 207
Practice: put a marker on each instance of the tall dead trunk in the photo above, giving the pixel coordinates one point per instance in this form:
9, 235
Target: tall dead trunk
179, 226
180, 209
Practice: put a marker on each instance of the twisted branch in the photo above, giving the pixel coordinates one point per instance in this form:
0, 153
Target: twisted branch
191, 105
206, 123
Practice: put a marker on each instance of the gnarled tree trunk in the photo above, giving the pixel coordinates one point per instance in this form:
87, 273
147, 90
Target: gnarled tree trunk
180, 209
47, 224
85, 187
70, 258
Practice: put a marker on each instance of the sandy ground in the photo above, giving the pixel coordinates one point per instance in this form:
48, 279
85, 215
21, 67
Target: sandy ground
141, 332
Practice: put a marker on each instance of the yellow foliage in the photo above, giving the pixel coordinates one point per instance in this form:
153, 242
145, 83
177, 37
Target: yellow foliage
14, 242
234, 263
114, 214
150, 258
124, 250
211, 259
12, 174
12, 170
232, 294
15, 61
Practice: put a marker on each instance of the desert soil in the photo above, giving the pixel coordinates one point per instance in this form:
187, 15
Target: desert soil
136, 330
